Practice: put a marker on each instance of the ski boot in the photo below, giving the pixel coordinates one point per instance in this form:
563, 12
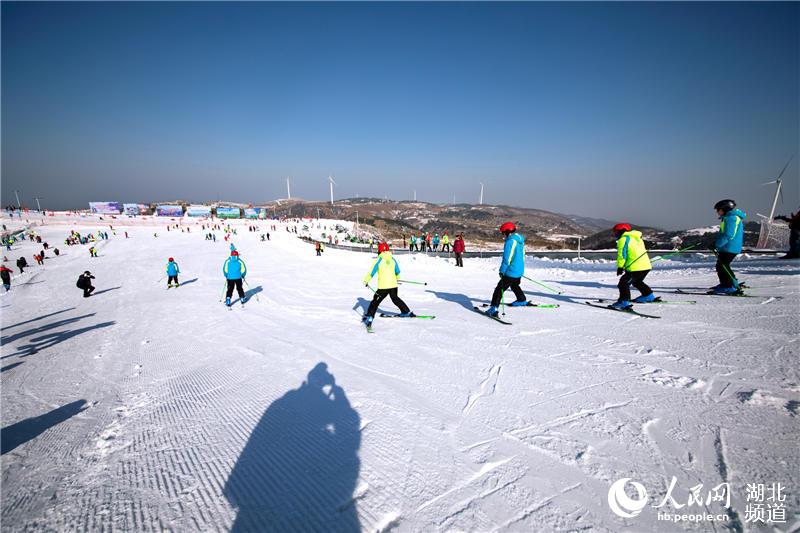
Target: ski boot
726, 291
492, 311
621, 305
243, 300
645, 299
367, 320
408, 315
228, 302
518, 303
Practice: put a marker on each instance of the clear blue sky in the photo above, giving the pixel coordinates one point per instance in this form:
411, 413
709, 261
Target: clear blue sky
647, 112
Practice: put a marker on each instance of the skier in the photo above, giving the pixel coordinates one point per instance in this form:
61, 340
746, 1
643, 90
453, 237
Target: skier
445, 243
172, 273
458, 249
318, 247
436, 242
85, 283
235, 271
5, 275
794, 235
511, 269
92, 252
728, 245
21, 264
633, 264
55, 251
388, 271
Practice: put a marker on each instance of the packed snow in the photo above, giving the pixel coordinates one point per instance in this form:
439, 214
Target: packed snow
147, 409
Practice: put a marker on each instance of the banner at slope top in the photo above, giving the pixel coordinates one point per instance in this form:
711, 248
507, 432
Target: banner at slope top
254, 212
105, 208
169, 211
198, 211
131, 209
228, 212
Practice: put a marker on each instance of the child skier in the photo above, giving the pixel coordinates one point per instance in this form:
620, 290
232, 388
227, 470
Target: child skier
5, 275
235, 271
633, 264
172, 273
511, 269
388, 271
85, 283
728, 245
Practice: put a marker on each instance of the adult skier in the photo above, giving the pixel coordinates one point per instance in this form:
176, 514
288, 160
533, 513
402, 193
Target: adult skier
511, 269
445, 243
235, 271
387, 270
85, 282
458, 250
633, 264
172, 273
728, 245
5, 275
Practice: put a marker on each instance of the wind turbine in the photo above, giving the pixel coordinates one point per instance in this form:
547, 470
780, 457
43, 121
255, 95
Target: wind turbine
332, 183
778, 189
415, 195
19, 205
480, 198
37, 203
288, 188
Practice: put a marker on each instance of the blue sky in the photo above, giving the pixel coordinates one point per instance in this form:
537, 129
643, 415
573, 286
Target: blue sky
646, 112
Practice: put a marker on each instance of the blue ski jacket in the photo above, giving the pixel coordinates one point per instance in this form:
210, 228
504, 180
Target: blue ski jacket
731, 232
173, 269
234, 268
513, 264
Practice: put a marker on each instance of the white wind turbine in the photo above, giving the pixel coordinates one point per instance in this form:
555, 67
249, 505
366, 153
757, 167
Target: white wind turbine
778, 189
331, 183
480, 198
288, 188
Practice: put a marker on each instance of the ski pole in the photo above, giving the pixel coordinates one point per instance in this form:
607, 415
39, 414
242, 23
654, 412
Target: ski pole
543, 285
224, 286
370, 288
660, 257
503, 303
413, 282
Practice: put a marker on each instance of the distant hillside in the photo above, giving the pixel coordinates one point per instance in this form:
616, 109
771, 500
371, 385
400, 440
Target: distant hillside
656, 238
392, 219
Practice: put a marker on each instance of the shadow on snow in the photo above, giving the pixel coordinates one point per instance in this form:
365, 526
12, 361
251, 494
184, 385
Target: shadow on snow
30, 428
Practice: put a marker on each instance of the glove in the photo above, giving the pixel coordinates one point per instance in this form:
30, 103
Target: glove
620, 270
367, 279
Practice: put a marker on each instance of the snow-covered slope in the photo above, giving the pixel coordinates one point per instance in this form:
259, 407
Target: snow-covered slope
143, 409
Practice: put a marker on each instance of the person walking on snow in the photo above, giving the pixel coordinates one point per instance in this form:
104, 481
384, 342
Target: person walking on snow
458, 250
172, 273
511, 269
728, 245
235, 271
85, 283
318, 247
633, 264
5, 275
388, 271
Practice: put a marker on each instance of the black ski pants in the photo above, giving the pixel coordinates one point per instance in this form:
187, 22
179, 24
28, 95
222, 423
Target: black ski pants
459, 260
380, 294
637, 280
503, 285
724, 270
170, 279
238, 284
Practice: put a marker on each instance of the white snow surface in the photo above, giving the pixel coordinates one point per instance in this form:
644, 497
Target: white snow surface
144, 409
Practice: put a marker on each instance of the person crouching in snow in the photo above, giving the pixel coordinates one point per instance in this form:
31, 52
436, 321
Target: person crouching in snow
388, 271
235, 271
85, 283
172, 273
511, 269
633, 264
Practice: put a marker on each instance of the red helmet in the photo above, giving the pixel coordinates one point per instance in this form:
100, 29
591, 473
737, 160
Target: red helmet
170, 260
235, 253
383, 247
622, 226
508, 226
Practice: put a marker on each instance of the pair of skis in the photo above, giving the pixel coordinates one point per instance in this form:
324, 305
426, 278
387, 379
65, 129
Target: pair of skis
480, 310
394, 315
